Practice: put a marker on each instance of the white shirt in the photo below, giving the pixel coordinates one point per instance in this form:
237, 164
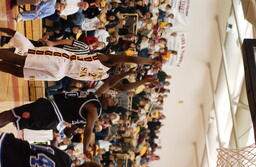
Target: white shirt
162, 7
71, 7
102, 35
104, 144
144, 44
90, 24
140, 24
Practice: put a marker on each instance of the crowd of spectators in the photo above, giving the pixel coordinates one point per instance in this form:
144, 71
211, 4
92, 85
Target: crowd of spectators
127, 132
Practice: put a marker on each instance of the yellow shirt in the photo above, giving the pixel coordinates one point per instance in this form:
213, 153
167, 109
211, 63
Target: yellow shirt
166, 56
155, 114
78, 35
136, 131
95, 152
143, 150
129, 52
162, 24
103, 3
139, 89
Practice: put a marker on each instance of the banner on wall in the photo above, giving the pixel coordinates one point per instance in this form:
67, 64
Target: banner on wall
177, 43
180, 9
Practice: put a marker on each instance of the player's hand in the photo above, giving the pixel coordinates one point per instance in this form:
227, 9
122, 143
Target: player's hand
157, 64
87, 156
37, 2
67, 124
154, 81
133, 70
49, 43
98, 54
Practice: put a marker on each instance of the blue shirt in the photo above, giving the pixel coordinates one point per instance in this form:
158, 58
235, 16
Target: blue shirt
44, 9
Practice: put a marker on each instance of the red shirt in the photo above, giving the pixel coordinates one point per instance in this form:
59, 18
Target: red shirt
90, 40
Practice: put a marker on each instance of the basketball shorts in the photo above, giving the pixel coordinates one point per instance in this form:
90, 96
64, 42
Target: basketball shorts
18, 153
20, 43
45, 68
12, 152
39, 115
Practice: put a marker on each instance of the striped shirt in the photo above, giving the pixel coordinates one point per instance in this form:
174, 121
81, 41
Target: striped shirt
77, 47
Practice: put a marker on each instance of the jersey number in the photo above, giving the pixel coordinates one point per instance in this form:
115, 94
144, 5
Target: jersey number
41, 161
42, 148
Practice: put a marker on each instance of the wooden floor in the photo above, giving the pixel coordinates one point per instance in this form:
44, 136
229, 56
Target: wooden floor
13, 90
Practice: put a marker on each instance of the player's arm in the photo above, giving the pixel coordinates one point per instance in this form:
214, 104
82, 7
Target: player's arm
129, 86
114, 59
91, 118
60, 42
112, 81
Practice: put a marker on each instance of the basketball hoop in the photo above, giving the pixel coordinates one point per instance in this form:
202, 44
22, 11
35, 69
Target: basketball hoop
241, 157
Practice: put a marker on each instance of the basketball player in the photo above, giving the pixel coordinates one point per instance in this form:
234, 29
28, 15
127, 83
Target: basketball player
72, 108
19, 153
52, 64
21, 43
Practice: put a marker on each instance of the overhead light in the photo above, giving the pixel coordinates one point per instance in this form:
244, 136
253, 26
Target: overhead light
180, 101
230, 22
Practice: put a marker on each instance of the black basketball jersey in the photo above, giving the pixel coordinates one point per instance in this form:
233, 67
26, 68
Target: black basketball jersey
70, 106
19, 153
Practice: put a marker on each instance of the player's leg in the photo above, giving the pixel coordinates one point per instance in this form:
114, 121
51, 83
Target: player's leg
18, 41
8, 31
11, 69
12, 58
38, 115
6, 117
6, 39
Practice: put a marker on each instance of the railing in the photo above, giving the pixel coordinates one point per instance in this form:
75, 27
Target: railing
232, 102
224, 62
205, 129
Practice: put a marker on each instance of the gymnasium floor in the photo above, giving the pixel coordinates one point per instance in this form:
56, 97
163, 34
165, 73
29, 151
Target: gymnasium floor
13, 90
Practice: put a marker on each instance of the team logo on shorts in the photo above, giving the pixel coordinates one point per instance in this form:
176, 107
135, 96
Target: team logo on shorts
26, 115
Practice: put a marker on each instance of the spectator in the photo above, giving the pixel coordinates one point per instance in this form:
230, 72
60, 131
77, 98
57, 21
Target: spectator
43, 9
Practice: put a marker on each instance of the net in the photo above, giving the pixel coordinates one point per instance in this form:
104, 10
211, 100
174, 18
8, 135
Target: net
241, 157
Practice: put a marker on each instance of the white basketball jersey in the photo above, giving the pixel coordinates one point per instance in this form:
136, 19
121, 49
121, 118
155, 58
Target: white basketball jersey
89, 71
50, 63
